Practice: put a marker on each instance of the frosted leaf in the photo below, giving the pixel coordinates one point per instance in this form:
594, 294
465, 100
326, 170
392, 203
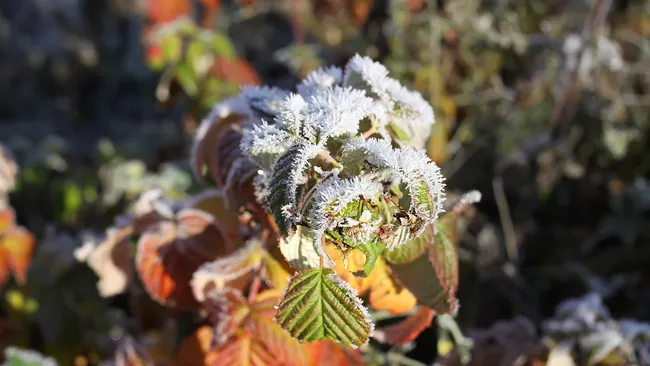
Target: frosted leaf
336, 112
263, 101
422, 177
354, 294
283, 185
331, 210
291, 114
365, 74
412, 114
221, 114
220, 273
323, 78
21, 356
264, 142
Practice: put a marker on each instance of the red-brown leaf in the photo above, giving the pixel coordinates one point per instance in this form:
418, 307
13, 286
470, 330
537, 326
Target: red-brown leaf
170, 251
408, 329
162, 11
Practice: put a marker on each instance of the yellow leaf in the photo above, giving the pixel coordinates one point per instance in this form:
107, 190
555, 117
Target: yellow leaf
387, 294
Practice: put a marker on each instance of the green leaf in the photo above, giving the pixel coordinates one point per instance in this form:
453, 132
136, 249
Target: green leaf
221, 45
300, 250
283, 185
398, 132
373, 251
319, 305
413, 249
421, 279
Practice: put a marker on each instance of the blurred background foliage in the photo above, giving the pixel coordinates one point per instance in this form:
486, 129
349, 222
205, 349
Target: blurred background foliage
542, 105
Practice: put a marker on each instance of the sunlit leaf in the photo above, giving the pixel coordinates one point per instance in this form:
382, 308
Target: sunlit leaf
319, 305
7, 219
170, 251
112, 261
16, 251
329, 353
245, 350
299, 249
234, 270
274, 272
236, 315
8, 172
346, 265
406, 330
386, 293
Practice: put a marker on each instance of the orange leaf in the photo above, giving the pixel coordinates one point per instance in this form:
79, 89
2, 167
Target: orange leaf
237, 71
214, 203
18, 245
7, 219
329, 353
197, 349
387, 294
162, 11
170, 251
207, 137
235, 313
244, 350
211, 3
406, 330
355, 261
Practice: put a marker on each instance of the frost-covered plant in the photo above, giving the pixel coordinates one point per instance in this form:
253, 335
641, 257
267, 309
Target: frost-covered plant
587, 324
340, 168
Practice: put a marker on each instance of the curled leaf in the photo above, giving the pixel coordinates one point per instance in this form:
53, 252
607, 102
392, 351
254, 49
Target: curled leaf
111, 260
348, 210
234, 270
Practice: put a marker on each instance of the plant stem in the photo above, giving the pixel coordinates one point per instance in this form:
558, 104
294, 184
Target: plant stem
329, 159
255, 286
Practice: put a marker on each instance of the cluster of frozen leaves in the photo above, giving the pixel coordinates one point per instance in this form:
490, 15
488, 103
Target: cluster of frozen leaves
338, 166
585, 323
